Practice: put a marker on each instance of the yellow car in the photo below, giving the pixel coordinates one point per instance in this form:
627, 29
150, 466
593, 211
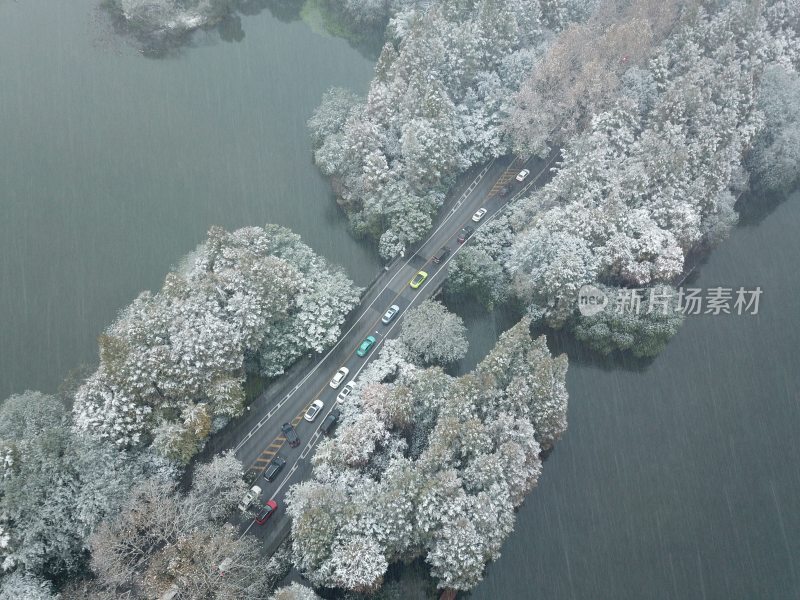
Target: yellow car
418, 279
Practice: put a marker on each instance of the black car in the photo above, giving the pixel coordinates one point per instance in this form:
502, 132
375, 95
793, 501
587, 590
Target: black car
274, 467
291, 435
330, 421
465, 234
443, 253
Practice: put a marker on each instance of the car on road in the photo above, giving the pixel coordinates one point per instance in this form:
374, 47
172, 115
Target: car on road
253, 493
465, 234
523, 174
365, 346
313, 410
346, 391
330, 421
266, 512
390, 314
443, 253
274, 467
291, 435
417, 280
479, 214
340, 376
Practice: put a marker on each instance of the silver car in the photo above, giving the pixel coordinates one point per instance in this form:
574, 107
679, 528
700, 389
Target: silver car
390, 314
249, 497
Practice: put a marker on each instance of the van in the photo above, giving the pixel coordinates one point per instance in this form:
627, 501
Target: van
330, 421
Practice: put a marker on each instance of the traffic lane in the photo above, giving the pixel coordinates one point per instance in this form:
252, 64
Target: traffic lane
299, 462
472, 186
316, 388
249, 449
275, 530
446, 236
300, 466
312, 386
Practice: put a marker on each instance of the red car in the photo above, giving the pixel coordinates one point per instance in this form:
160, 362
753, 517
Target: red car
266, 512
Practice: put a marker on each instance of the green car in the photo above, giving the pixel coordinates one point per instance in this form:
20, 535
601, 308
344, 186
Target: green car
365, 346
418, 279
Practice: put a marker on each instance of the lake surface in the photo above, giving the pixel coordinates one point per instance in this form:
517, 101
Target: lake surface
680, 480
677, 479
113, 166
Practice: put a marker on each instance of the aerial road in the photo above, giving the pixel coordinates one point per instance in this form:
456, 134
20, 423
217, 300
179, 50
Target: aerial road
263, 441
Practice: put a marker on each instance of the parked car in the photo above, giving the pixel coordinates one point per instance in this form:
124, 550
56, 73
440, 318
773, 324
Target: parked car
479, 214
266, 512
253, 493
465, 234
418, 279
346, 391
291, 435
313, 410
274, 467
340, 376
523, 174
330, 421
390, 314
363, 349
443, 253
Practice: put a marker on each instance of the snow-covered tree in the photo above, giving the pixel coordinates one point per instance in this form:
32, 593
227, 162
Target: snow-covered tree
775, 160
173, 362
643, 333
473, 272
294, 591
435, 108
217, 487
20, 585
433, 335
195, 562
403, 470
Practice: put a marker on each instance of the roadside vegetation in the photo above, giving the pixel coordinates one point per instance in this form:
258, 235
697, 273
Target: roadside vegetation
173, 365
665, 113
651, 165
89, 503
429, 465
443, 85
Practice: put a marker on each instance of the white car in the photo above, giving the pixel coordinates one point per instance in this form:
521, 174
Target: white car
313, 410
346, 391
390, 314
340, 376
478, 214
523, 174
254, 493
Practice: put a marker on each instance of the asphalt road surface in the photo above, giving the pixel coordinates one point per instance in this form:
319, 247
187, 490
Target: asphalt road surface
257, 437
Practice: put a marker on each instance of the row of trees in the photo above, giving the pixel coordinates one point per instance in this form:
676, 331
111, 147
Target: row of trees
428, 465
104, 523
437, 105
92, 490
653, 166
173, 364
